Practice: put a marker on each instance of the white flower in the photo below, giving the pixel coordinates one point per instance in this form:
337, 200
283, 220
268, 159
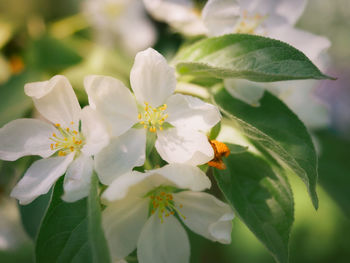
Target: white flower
274, 19
141, 209
64, 146
182, 15
177, 120
121, 21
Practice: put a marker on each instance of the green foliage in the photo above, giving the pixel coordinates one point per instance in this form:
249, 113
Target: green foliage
261, 198
278, 130
13, 102
51, 55
249, 57
334, 168
71, 232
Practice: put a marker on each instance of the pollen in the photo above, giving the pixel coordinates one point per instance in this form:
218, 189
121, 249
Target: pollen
153, 118
249, 23
162, 203
66, 140
220, 150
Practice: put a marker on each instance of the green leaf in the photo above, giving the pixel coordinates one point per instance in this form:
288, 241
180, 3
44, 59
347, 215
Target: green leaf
235, 148
261, 198
334, 168
51, 55
68, 233
277, 129
13, 102
97, 239
249, 57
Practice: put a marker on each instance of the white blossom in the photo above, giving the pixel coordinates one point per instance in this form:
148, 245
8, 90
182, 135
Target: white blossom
182, 15
64, 146
142, 208
274, 19
121, 21
179, 121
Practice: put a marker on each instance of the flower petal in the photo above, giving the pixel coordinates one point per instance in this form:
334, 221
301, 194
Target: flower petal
55, 100
221, 16
184, 176
184, 146
25, 137
77, 179
151, 78
291, 10
163, 242
187, 112
121, 155
122, 223
181, 15
39, 178
206, 215
94, 130
245, 90
113, 100
312, 45
138, 184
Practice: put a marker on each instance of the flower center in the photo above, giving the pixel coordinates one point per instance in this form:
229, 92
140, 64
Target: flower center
161, 201
248, 24
112, 10
153, 118
66, 141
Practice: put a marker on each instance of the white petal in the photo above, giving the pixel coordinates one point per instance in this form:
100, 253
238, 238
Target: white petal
312, 45
184, 146
113, 100
163, 242
206, 215
181, 15
77, 179
121, 155
187, 112
39, 178
94, 131
221, 16
184, 176
138, 184
134, 19
25, 137
245, 90
291, 9
55, 100
151, 78
122, 223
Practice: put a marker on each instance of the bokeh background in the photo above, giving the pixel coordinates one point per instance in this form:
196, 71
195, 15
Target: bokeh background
41, 38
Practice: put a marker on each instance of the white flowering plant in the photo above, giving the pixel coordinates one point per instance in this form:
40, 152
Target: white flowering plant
182, 144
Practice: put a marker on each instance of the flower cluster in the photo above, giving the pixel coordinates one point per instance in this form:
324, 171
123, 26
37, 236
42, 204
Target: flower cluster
269, 18
109, 136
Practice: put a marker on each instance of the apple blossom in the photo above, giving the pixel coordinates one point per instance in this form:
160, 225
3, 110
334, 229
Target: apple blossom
179, 121
143, 211
122, 21
64, 146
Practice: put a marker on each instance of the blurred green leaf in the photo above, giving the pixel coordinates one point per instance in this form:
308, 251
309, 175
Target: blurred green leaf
334, 168
51, 55
13, 102
277, 129
67, 233
249, 57
261, 198
22, 254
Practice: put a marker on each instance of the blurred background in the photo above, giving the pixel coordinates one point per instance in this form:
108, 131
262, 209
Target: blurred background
42, 38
